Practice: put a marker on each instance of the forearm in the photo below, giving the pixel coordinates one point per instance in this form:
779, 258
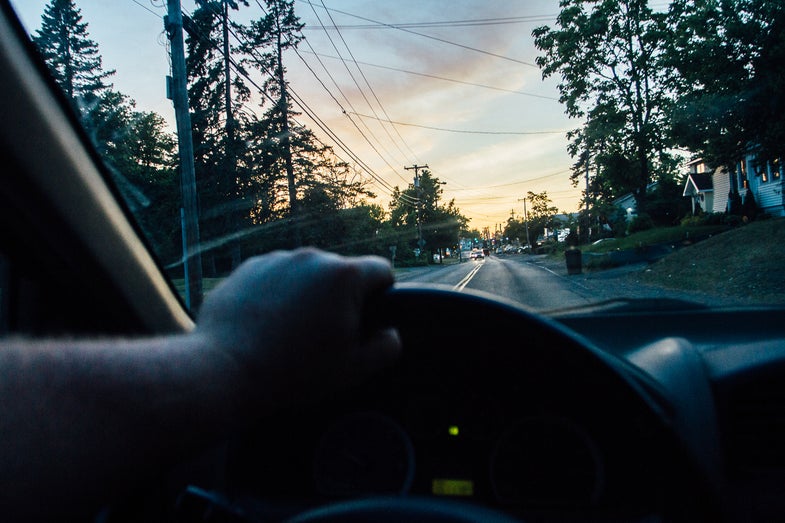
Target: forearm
77, 417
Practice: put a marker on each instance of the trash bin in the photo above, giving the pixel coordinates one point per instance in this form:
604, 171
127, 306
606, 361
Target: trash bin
573, 257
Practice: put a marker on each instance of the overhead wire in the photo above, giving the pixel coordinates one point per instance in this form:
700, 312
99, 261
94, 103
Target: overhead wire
392, 26
381, 106
383, 184
436, 77
378, 178
146, 8
452, 23
356, 83
508, 133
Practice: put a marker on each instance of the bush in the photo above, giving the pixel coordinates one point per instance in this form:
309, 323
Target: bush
749, 208
642, 222
711, 218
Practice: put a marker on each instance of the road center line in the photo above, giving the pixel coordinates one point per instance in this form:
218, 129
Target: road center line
466, 279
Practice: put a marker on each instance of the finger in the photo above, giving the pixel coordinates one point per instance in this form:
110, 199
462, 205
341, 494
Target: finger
378, 351
374, 273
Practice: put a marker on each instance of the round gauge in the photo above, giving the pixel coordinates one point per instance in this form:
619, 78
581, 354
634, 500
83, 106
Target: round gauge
362, 454
546, 461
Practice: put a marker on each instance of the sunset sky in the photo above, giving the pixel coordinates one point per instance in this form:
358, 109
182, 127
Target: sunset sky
512, 127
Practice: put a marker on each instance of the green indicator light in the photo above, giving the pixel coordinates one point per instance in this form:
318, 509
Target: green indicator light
452, 430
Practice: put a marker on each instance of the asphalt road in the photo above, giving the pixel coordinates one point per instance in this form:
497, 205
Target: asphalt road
542, 284
515, 278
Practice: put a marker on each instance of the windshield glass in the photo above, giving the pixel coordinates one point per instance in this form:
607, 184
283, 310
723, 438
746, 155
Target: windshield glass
558, 154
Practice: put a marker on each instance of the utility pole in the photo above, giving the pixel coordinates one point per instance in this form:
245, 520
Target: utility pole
588, 219
416, 168
229, 174
526, 221
173, 23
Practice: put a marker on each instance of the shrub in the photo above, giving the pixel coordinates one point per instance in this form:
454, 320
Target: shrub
712, 218
749, 208
642, 222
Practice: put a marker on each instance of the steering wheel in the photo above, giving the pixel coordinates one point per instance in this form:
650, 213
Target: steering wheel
550, 422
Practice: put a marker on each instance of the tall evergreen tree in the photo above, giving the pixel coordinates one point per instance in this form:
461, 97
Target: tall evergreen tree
134, 146
267, 39
217, 128
71, 55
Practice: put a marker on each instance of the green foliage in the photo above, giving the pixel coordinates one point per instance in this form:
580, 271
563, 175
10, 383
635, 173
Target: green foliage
730, 56
666, 203
711, 218
540, 214
71, 55
441, 225
642, 222
135, 146
607, 54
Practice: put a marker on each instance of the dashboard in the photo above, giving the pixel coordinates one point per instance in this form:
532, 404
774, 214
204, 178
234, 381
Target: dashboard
533, 422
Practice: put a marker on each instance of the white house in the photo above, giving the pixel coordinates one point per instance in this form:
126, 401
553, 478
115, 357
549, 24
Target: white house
709, 189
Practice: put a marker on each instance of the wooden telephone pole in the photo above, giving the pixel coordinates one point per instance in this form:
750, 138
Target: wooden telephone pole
526, 221
416, 168
192, 259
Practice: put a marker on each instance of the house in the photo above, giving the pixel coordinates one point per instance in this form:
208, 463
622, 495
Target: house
628, 204
710, 189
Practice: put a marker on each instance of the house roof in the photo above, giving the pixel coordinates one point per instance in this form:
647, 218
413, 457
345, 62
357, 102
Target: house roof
698, 183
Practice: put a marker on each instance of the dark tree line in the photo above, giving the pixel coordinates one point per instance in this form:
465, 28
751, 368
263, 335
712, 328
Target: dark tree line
264, 181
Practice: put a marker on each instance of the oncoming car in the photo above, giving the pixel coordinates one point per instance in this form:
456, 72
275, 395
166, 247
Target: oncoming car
597, 397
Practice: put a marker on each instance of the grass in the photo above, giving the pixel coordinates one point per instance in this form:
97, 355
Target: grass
745, 262
677, 234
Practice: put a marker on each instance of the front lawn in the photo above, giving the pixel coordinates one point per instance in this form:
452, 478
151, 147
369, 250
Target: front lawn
677, 235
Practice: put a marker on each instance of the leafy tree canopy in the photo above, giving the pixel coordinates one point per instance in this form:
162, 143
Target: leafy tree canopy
607, 55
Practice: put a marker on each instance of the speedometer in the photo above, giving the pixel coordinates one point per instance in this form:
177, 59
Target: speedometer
547, 461
364, 454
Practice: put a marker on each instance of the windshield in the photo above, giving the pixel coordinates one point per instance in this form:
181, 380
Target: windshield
558, 154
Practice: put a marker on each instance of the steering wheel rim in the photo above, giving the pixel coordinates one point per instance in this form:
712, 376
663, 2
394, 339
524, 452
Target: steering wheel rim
516, 344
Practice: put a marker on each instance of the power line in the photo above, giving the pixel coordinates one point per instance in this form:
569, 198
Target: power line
384, 185
356, 83
326, 128
436, 77
429, 37
146, 8
451, 23
529, 180
369, 85
513, 133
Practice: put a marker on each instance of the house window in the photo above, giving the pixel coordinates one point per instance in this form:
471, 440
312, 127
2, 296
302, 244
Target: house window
763, 171
776, 169
743, 182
